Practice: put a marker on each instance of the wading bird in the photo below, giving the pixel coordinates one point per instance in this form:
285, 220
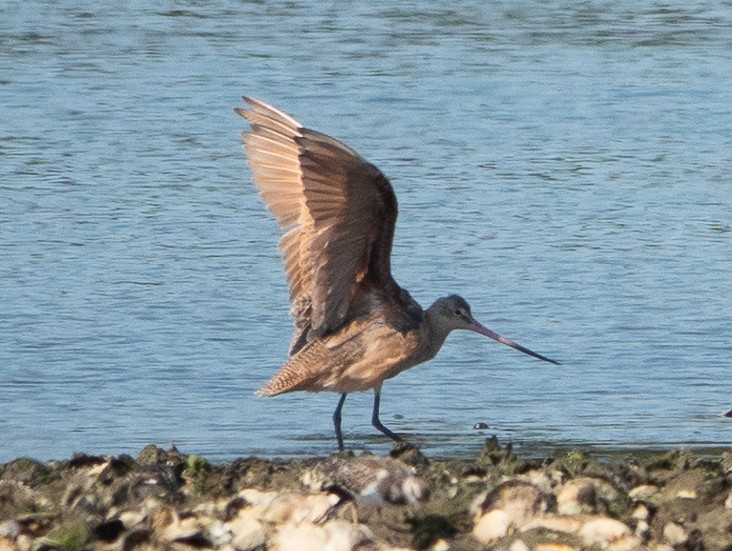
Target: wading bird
355, 326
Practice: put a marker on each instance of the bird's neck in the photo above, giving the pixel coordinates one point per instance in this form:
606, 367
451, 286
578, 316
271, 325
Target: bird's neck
435, 331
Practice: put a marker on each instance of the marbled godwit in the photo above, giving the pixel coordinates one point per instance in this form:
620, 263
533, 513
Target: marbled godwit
355, 326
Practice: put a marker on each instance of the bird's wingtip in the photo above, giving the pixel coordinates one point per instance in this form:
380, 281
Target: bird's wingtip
251, 102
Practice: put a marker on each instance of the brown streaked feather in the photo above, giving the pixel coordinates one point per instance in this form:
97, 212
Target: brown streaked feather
352, 359
339, 209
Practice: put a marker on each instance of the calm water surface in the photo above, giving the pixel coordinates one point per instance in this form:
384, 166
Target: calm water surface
564, 166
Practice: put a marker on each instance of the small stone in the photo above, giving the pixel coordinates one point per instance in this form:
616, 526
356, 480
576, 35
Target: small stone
292, 507
603, 531
640, 512
409, 455
585, 495
152, 481
642, 529
643, 492
564, 524
520, 500
414, 490
24, 542
539, 479
728, 501
343, 534
163, 517
336, 535
257, 497
247, 532
184, 530
298, 537
491, 526
519, 545
674, 534
548, 546
628, 542
216, 531
9, 529
131, 519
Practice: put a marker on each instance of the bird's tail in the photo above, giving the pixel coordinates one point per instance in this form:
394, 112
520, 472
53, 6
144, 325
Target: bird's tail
286, 379
303, 371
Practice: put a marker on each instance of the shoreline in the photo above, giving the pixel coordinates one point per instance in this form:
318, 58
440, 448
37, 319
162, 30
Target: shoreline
574, 499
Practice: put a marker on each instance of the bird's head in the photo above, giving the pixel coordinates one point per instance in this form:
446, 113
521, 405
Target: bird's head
453, 312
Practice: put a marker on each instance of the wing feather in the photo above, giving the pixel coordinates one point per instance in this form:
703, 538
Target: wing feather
339, 211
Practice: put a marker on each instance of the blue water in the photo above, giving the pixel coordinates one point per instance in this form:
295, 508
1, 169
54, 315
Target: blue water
564, 166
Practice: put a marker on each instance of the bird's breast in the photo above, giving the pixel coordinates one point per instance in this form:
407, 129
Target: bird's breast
371, 352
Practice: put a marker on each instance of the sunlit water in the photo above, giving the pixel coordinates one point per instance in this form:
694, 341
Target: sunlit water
564, 166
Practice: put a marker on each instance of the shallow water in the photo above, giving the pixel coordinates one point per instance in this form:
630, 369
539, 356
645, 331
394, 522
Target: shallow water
564, 166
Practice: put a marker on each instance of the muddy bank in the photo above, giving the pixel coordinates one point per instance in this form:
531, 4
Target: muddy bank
675, 500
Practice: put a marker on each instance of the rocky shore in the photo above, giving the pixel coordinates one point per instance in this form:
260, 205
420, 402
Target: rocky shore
675, 500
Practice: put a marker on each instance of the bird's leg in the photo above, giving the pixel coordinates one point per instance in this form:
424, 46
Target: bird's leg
375, 417
337, 421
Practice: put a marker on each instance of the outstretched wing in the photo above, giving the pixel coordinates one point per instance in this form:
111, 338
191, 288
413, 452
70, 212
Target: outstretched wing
339, 212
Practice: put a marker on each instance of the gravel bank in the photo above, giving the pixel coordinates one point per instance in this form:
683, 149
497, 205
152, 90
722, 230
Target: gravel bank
675, 500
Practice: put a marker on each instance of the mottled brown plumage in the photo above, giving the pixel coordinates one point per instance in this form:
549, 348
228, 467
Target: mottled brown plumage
354, 326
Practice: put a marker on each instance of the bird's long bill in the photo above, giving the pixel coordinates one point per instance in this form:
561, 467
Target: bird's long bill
478, 328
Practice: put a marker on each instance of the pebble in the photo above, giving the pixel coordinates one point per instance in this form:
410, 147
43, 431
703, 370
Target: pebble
247, 532
440, 545
640, 512
491, 526
182, 530
585, 495
335, 535
549, 546
604, 532
521, 501
9, 529
643, 492
565, 524
674, 534
642, 529
292, 507
519, 545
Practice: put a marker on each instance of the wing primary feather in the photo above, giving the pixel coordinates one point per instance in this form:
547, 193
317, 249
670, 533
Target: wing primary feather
339, 211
